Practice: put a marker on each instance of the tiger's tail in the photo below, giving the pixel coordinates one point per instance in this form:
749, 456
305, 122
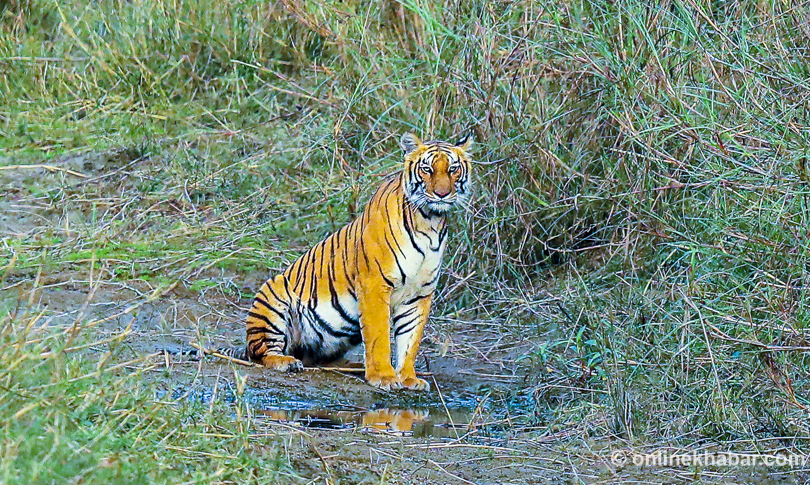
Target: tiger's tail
238, 353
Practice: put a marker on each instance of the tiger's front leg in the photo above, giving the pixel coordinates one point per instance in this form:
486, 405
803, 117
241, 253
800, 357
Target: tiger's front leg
409, 324
375, 313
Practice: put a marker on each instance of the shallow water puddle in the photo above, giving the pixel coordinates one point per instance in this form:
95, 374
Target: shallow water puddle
422, 416
419, 423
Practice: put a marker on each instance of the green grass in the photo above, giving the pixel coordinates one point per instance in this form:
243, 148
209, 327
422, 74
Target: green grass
642, 193
69, 417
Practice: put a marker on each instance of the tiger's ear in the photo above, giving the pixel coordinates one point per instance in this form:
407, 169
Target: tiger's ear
409, 142
465, 142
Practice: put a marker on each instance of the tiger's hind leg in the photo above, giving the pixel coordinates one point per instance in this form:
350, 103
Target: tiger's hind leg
267, 329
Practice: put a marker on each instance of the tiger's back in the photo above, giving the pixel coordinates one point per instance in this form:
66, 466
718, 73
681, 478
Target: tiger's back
375, 274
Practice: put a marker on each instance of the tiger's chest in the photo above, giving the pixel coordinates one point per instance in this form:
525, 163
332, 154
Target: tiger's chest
421, 266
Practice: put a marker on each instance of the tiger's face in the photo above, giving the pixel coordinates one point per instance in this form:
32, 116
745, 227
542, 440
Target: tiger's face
436, 173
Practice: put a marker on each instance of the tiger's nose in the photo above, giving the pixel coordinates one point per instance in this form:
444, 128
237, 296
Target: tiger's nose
442, 193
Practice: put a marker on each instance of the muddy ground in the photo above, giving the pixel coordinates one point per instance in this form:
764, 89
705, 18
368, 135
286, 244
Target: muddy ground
335, 426
476, 425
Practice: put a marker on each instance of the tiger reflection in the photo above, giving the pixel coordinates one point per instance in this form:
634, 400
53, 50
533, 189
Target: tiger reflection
383, 420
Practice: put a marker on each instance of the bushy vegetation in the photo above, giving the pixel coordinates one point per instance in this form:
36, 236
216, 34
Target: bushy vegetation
642, 178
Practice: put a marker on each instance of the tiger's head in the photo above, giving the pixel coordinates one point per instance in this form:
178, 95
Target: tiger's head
436, 173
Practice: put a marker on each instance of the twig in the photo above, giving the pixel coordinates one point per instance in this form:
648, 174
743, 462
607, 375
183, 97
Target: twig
323, 460
205, 351
52, 168
717, 333
447, 411
348, 370
444, 470
355, 370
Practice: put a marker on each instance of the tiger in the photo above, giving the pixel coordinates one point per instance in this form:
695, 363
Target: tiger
374, 275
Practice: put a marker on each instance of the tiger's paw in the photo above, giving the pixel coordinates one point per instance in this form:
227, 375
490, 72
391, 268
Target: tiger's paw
385, 382
416, 384
284, 363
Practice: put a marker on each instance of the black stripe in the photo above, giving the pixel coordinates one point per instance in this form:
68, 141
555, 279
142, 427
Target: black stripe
408, 230
403, 315
313, 291
313, 283
339, 308
390, 283
287, 289
363, 251
431, 281
267, 305
393, 232
295, 269
430, 240
442, 234
396, 259
336, 301
331, 331
345, 245
259, 316
253, 346
299, 280
429, 215
415, 184
394, 235
415, 299
306, 321
275, 295
256, 329
402, 328
350, 284
322, 245
332, 239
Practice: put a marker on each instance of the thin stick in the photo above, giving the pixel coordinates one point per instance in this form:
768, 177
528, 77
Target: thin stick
348, 370
223, 356
353, 370
51, 168
464, 480
357, 370
447, 411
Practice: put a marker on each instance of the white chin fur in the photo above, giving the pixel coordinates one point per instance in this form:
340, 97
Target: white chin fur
439, 207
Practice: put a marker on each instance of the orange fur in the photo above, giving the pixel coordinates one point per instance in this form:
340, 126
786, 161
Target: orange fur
375, 275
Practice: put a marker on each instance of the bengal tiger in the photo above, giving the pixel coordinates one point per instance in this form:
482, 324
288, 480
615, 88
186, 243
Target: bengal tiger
377, 272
